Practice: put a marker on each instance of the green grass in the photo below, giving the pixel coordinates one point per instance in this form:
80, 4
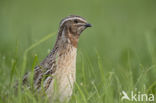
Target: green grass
118, 53
94, 82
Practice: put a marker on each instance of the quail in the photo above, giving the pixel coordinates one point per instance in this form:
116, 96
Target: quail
59, 67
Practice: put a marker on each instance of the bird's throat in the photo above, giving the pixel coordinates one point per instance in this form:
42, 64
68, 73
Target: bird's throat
74, 40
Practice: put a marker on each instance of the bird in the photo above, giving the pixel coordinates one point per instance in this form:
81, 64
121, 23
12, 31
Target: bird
59, 67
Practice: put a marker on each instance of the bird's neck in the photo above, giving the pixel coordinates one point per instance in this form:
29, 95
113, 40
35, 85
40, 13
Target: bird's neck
65, 37
66, 55
64, 46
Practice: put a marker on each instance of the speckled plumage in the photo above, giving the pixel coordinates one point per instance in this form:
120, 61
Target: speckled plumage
60, 64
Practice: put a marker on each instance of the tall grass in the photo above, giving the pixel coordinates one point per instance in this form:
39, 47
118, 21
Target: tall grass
95, 82
118, 53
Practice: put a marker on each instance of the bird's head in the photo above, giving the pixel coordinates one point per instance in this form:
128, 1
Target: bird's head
71, 27
74, 24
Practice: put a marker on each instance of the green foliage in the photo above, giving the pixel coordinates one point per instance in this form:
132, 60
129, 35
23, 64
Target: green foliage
117, 53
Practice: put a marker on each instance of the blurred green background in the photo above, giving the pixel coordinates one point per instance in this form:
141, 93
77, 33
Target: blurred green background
122, 40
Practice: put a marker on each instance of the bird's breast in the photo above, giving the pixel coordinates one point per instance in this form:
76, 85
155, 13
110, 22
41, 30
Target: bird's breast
66, 63
66, 72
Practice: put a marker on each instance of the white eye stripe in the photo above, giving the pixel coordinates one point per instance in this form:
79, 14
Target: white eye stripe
72, 18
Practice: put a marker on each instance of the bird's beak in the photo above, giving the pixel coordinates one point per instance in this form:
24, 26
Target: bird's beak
88, 25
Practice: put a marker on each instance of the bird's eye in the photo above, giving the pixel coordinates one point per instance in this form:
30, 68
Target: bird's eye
75, 21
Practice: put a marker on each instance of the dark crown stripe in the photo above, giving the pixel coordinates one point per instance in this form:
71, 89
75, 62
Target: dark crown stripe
71, 18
